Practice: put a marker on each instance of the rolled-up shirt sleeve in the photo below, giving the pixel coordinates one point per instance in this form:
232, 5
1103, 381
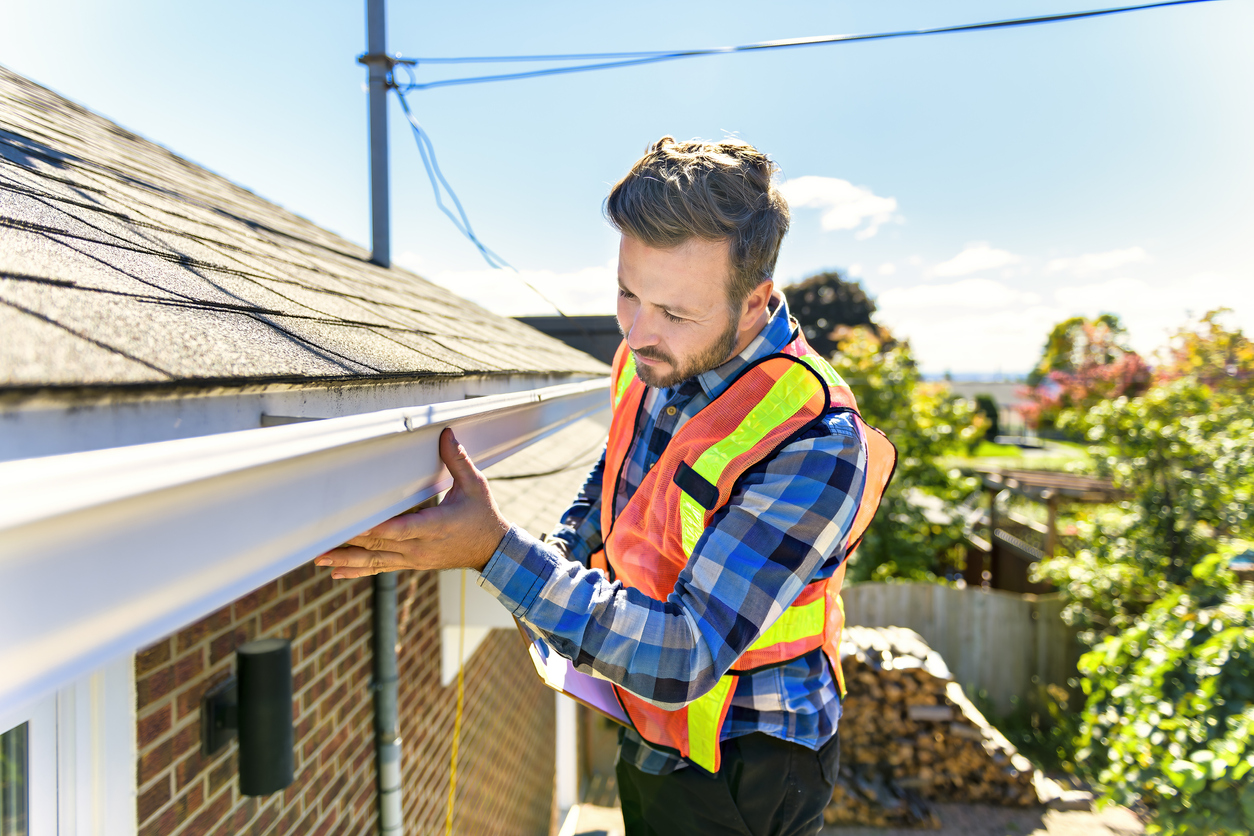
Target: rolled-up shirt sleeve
786, 524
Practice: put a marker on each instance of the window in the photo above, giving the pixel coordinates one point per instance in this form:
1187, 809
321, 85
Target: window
14, 782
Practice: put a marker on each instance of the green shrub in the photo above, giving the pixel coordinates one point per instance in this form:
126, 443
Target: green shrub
1169, 721
912, 533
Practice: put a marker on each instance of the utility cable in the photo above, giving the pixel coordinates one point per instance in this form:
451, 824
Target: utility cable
613, 60
426, 149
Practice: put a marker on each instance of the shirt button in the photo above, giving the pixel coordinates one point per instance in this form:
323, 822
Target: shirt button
670, 410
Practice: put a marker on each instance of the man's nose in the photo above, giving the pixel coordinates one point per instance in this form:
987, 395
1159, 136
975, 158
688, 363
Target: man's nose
641, 331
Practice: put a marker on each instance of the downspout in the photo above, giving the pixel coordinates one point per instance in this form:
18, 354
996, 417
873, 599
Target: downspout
386, 716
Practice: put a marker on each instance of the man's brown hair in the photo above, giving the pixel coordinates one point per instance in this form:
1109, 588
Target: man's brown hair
715, 191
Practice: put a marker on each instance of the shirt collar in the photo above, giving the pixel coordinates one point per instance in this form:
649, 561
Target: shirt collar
776, 334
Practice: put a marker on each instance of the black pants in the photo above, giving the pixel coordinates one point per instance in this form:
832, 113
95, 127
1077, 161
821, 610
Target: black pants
765, 787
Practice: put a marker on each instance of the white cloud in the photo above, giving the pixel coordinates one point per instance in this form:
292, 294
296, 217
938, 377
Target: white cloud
587, 291
1087, 265
844, 205
983, 325
854, 271
1151, 312
975, 258
968, 294
887, 269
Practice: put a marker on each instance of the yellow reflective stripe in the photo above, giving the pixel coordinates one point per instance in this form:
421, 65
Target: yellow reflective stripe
624, 377
705, 714
789, 394
795, 623
824, 369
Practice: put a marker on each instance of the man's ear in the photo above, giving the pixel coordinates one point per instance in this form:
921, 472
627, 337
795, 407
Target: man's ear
755, 305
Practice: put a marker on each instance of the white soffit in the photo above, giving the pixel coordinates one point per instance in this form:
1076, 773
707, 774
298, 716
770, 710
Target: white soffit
104, 552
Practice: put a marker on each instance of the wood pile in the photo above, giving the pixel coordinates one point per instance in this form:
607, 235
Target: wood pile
908, 736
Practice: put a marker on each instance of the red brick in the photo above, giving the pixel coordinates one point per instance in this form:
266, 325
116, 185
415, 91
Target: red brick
187, 701
188, 667
210, 816
327, 709
310, 645
331, 795
152, 657
324, 827
297, 576
189, 769
252, 601
154, 687
153, 761
187, 738
224, 645
284, 609
306, 825
302, 677
346, 617
221, 775
287, 824
320, 587
316, 689
326, 610
203, 629
244, 812
269, 814
153, 726
174, 815
153, 799
331, 746
314, 740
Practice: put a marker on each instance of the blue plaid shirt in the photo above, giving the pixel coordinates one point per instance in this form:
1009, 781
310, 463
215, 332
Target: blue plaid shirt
786, 524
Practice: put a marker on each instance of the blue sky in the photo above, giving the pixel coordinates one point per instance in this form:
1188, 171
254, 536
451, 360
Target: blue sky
982, 186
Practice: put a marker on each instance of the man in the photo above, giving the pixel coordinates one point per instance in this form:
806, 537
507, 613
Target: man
700, 566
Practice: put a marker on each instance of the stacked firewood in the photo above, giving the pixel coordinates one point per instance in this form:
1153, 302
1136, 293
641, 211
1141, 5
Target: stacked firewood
908, 736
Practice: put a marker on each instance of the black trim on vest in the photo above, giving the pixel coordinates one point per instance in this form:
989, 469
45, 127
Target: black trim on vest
696, 486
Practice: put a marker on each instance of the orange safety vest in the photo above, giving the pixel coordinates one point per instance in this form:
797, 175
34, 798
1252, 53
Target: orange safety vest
651, 540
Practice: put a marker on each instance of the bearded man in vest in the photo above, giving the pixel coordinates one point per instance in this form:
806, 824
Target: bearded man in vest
699, 568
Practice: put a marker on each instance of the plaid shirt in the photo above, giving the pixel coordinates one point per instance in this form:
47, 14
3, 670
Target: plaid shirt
785, 525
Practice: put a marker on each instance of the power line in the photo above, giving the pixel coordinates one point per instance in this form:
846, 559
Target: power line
426, 149
614, 60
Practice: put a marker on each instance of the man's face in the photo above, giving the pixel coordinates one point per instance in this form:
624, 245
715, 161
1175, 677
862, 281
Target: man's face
672, 308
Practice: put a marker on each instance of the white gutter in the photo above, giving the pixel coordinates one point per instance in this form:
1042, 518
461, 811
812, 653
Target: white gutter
104, 552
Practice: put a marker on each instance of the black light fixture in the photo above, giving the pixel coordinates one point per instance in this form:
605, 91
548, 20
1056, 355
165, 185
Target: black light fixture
256, 704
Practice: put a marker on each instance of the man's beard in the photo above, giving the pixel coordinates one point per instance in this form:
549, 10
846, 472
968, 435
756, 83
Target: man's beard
713, 356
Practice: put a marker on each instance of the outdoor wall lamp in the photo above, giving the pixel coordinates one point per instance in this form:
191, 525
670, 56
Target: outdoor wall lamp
256, 704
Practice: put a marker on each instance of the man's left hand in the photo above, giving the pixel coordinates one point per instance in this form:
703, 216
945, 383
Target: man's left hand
463, 531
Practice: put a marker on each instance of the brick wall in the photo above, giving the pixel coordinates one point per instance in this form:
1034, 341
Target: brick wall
506, 754
182, 793
506, 762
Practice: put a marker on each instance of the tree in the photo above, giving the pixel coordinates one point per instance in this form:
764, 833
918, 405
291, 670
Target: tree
925, 422
987, 405
1168, 720
1084, 362
823, 303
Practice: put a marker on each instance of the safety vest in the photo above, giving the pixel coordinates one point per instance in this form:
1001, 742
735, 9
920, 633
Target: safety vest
651, 539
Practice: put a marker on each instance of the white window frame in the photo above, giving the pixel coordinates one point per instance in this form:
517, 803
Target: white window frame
81, 755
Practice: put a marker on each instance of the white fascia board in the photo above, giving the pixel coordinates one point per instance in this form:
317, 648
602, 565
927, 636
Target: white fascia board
54, 422
104, 552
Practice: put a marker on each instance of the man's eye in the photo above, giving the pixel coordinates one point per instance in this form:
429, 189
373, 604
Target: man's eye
672, 317
625, 294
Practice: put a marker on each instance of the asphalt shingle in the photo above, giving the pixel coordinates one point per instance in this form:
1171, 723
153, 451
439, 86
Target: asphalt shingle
122, 263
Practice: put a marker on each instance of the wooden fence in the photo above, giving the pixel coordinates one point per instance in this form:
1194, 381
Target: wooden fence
1000, 642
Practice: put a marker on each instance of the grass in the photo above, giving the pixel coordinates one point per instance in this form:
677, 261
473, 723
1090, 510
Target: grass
1056, 455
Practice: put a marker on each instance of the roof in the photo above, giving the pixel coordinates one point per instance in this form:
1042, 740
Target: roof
125, 265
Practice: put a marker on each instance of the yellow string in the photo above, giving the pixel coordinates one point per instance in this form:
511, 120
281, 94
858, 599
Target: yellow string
457, 720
